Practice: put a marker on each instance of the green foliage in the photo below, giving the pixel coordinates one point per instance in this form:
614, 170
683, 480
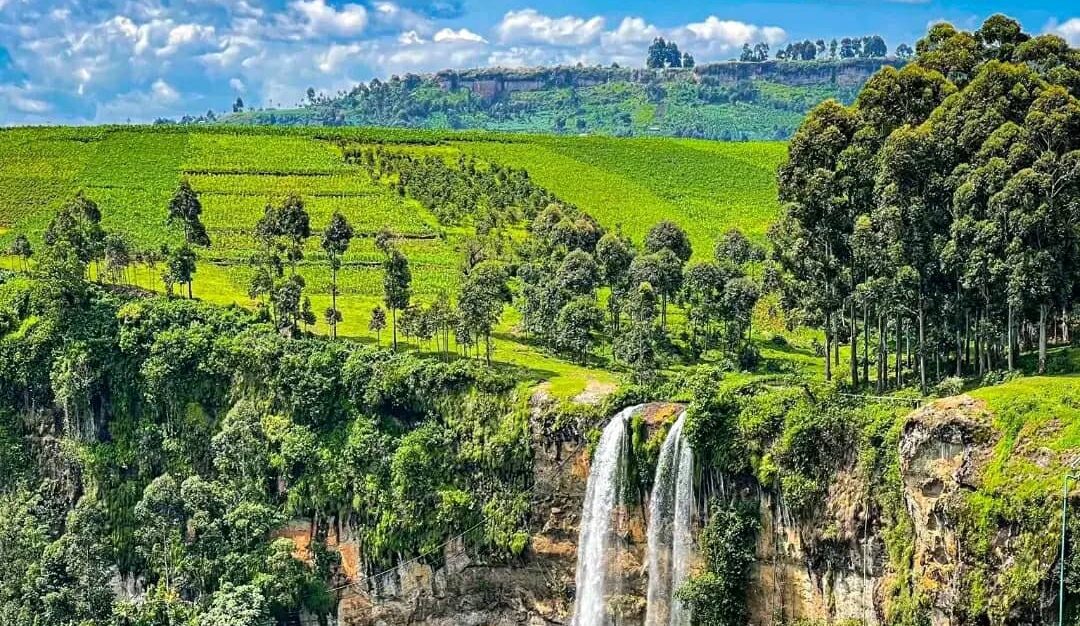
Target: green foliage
673, 97
213, 430
718, 595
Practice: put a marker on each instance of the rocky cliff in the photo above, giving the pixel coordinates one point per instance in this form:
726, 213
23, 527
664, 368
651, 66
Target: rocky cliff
831, 568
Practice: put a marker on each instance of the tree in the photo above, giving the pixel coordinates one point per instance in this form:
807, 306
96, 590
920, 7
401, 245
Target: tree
377, 323
702, 294
161, 517
667, 234
904, 52
687, 60
335, 242
717, 595
578, 273
186, 208
614, 255
577, 322
117, 257
484, 293
637, 346
68, 579
397, 291
663, 54
78, 224
238, 106
1000, 36
179, 268
294, 223
735, 248
20, 247
233, 605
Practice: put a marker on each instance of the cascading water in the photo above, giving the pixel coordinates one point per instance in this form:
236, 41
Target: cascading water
595, 545
671, 513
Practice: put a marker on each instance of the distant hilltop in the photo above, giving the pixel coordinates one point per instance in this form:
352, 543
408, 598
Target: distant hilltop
731, 100
493, 81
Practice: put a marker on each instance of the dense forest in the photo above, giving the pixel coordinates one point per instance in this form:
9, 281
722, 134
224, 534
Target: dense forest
941, 208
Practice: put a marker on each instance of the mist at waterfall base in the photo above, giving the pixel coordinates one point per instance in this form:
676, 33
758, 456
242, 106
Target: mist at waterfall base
670, 540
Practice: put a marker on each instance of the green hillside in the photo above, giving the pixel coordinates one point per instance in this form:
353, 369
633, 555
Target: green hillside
728, 100
131, 172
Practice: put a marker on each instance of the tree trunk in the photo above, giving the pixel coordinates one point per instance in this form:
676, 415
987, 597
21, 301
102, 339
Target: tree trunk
828, 348
866, 345
1012, 341
189, 290
967, 340
899, 362
853, 329
883, 355
333, 298
922, 346
978, 344
393, 316
1042, 338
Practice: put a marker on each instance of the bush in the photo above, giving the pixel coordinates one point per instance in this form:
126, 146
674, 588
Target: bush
749, 357
951, 386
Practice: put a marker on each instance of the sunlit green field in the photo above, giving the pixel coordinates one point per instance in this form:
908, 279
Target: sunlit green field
131, 172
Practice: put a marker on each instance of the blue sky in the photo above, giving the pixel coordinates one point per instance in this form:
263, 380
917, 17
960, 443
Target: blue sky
87, 61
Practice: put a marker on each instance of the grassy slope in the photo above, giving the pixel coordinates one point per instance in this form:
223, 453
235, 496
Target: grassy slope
131, 173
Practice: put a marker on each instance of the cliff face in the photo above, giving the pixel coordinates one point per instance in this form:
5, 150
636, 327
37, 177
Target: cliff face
831, 568
493, 82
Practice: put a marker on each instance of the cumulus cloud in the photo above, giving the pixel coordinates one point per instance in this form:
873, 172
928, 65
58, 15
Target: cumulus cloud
1069, 30
531, 26
318, 19
110, 60
715, 36
450, 35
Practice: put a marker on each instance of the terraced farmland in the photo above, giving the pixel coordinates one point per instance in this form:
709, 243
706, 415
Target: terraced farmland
131, 172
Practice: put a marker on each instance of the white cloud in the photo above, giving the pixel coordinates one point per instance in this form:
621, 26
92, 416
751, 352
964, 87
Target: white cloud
117, 59
187, 36
322, 19
336, 56
410, 38
163, 92
531, 26
462, 34
17, 99
632, 30
715, 36
1069, 30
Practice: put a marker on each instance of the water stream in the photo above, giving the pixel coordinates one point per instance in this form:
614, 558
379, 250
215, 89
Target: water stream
671, 513
595, 540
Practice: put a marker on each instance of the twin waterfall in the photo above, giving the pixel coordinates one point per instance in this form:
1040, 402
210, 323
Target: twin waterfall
604, 522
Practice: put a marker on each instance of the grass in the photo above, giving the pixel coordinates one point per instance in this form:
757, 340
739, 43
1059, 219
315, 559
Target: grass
132, 172
1039, 421
707, 187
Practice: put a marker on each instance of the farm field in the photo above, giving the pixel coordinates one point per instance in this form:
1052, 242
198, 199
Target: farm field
131, 172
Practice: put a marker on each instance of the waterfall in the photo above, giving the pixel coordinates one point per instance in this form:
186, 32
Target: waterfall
595, 546
671, 512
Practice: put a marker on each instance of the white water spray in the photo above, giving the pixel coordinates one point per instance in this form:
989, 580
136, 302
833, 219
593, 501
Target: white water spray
671, 513
594, 559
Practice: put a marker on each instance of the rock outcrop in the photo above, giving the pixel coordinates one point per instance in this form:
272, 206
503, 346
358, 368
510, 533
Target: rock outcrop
829, 569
